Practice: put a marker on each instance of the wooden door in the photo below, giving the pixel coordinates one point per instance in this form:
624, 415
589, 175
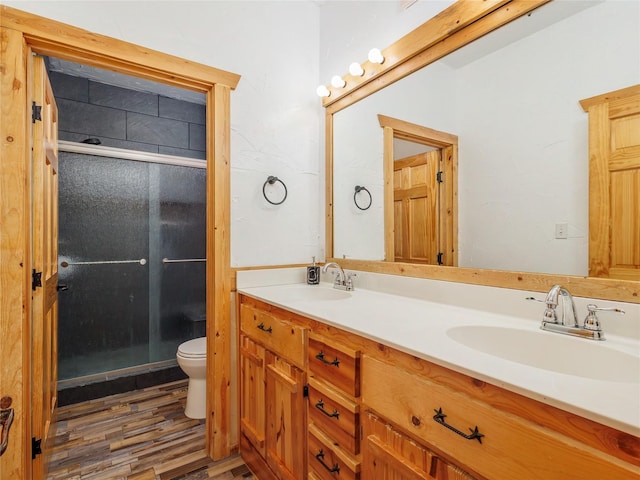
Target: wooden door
252, 392
614, 184
415, 189
44, 322
286, 419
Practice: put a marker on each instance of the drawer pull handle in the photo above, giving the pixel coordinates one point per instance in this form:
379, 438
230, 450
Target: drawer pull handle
474, 435
320, 406
264, 329
320, 458
335, 362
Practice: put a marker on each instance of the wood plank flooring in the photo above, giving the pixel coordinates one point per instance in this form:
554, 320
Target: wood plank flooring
140, 435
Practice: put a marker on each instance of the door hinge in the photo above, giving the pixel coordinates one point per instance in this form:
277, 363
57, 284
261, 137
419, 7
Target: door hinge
36, 279
36, 447
305, 391
36, 112
440, 258
439, 178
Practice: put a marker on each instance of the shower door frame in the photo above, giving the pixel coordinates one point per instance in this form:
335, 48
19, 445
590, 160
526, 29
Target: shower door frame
21, 35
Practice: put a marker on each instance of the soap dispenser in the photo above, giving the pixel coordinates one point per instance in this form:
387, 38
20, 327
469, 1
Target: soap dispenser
313, 273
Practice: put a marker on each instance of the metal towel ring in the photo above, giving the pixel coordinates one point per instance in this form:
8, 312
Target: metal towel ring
271, 180
355, 197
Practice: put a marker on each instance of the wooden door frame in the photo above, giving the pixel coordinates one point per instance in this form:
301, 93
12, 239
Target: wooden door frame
448, 205
21, 33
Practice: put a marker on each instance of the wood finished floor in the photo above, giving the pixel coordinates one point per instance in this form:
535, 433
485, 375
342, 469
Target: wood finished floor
140, 435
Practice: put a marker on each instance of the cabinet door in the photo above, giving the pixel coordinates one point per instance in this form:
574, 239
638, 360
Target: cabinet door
252, 392
286, 418
389, 455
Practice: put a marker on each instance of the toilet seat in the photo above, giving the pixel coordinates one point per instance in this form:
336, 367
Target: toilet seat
196, 348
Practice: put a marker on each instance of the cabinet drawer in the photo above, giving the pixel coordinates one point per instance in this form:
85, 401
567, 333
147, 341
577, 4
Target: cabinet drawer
328, 461
336, 364
280, 336
335, 414
388, 451
510, 447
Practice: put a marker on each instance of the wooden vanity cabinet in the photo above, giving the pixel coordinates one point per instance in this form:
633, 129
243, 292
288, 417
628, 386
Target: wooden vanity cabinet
272, 402
376, 413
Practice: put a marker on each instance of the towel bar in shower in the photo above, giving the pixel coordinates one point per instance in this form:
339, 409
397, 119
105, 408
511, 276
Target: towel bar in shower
183, 260
141, 261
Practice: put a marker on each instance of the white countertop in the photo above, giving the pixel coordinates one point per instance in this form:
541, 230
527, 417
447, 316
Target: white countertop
419, 327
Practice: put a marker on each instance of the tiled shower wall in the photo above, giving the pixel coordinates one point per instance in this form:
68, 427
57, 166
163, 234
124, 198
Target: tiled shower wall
129, 119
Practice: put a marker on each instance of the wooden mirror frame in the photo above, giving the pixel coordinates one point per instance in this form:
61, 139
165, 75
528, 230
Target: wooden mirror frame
22, 33
456, 26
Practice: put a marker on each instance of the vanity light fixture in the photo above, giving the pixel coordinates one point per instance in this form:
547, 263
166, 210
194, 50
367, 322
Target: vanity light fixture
355, 69
323, 91
337, 81
375, 56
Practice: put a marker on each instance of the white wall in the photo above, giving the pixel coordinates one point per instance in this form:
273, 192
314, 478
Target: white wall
275, 114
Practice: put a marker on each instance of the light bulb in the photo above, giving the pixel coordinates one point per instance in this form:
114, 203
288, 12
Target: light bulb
337, 81
356, 70
375, 56
323, 91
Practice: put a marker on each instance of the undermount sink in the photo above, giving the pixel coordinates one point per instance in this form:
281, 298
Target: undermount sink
551, 351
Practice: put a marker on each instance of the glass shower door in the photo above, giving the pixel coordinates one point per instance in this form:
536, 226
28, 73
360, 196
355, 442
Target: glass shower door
119, 219
178, 240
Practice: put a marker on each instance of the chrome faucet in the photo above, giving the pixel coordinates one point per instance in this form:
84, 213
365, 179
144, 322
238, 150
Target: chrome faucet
343, 281
568, 307
569, 321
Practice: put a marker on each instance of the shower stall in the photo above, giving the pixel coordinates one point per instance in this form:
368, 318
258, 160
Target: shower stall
132, 248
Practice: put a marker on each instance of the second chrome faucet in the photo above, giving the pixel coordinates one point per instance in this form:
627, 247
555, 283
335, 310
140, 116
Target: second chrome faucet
568, 323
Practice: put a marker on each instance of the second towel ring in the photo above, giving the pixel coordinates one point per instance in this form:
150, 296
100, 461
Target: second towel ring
271, 180
355, 197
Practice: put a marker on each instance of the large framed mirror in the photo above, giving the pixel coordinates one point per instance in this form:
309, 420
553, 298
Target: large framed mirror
512, 98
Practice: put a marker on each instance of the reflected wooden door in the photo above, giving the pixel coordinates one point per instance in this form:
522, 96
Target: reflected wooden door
44, 322
415, 196
614, 184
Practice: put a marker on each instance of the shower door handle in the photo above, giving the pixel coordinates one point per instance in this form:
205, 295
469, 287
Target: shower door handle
6, 419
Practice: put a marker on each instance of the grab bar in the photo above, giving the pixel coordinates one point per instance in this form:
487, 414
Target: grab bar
142, 261
183, 260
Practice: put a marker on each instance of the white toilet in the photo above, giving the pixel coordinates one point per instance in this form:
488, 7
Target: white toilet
192, 358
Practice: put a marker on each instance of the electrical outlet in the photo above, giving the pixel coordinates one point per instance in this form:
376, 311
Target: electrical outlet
562, 230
